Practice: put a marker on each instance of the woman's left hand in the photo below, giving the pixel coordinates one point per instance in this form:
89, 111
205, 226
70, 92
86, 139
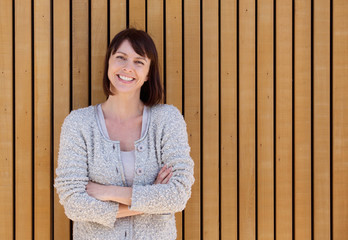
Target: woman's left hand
97, 191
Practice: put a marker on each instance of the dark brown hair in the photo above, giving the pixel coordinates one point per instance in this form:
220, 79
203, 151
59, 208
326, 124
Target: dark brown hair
151, 91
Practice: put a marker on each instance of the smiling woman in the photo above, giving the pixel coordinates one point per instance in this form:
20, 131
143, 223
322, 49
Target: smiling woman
127, 69
134, 47
124, 166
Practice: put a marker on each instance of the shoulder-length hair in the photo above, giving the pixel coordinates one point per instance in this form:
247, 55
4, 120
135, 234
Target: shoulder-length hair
151, 91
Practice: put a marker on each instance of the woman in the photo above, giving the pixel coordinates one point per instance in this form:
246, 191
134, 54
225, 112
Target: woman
124, 167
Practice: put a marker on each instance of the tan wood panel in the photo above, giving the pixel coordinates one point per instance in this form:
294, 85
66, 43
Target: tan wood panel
321, 67
174, 68
228, 98
23, 120
137, 14
80, 51
265, 129
99, 44
247, 120
42, 120
192, 113
155, 29
283, 120
6, 120
302, 123
118, 16
174, 54
340, 119
210, 119
61, 100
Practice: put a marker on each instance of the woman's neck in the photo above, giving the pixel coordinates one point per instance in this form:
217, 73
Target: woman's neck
122, 107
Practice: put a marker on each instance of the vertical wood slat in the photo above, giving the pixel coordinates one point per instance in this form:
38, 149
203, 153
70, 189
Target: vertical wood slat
174, 54
247, 120
118, 16
61, 105
99, 44
174, 68
302, 122
210, 30
137, 14
321, 121
284, 123
42, 120
340, 119
80, 54
6, 120
192, 112
228, 67
155, 29
265, 129
23, 119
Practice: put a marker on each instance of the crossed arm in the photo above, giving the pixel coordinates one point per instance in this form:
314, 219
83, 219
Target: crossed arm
123, 195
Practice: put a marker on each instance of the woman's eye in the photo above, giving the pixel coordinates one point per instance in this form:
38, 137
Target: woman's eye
139, 62
120, 57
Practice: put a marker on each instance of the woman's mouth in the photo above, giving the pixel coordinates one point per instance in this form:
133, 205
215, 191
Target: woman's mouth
125, 78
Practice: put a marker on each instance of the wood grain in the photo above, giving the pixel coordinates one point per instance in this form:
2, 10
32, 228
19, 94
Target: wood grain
265, 123
23, 120
80, 54
118, 16
247, 106
155, 24
42, 120
321, 121
210, 119
137, 14
6, 120
284, 124
61, 105
340, 119
228, 66
302, 123
99, 43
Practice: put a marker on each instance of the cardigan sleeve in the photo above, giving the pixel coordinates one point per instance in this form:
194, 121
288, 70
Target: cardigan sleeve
175, 152
72, 178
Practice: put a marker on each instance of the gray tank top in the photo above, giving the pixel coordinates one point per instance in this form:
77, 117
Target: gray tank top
127, 157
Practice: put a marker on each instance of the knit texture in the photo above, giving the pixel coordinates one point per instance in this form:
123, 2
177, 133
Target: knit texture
85, 154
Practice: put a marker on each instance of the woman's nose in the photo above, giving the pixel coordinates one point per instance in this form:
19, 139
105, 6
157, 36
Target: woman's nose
127, 67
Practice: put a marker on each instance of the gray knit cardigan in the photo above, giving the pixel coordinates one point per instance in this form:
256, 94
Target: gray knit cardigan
86, 154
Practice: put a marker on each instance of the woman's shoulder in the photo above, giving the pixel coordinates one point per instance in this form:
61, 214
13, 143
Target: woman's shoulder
81, 116
165, 112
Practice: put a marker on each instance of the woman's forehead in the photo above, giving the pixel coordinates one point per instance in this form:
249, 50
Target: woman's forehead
126, 48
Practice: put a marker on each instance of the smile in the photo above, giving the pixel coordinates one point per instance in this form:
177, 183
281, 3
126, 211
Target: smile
124, 78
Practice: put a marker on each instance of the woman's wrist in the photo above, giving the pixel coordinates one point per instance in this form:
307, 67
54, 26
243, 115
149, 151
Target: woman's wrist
119, 194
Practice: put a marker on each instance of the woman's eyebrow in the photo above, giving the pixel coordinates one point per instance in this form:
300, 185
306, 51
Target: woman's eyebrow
143, 58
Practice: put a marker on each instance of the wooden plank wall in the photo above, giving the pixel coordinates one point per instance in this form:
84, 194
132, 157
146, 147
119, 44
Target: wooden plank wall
262, 85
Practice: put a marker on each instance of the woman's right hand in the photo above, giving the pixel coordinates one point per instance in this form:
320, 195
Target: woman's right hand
164, 175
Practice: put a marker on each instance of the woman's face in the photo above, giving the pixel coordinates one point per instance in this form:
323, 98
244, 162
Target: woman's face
127, 70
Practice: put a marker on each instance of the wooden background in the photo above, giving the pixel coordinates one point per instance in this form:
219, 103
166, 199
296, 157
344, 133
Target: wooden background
262, 85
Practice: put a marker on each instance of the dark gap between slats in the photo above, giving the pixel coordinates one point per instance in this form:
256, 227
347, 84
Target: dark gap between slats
312, 120
201, 118
237, 48
331, 126
293, 119
14, 117
32, 121
274, 119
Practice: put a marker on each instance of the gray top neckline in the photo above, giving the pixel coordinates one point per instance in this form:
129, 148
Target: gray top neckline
102, 127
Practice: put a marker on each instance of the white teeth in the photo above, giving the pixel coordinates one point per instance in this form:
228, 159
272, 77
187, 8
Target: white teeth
125, 78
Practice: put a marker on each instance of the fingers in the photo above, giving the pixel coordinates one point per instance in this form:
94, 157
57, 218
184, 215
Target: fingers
164, 175
166, 179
